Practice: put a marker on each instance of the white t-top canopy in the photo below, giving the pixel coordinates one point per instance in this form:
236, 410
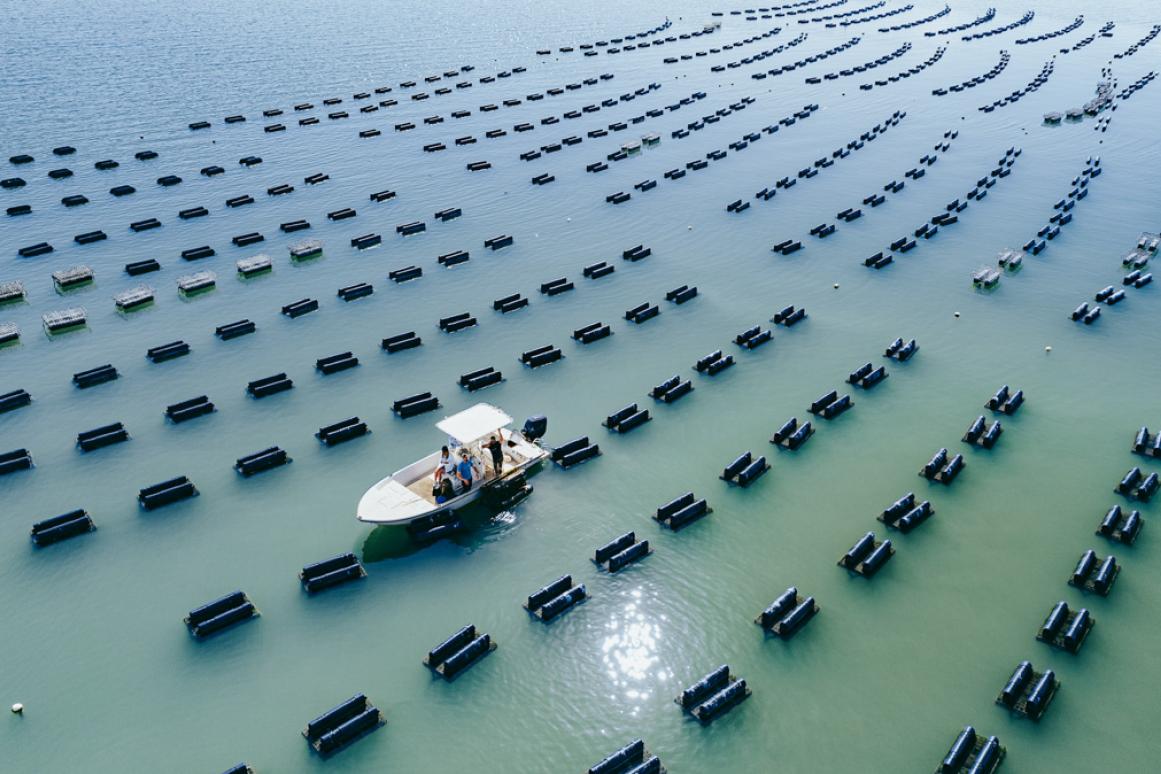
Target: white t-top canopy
474, 423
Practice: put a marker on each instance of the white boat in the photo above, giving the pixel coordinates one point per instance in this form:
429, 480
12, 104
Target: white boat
408, 494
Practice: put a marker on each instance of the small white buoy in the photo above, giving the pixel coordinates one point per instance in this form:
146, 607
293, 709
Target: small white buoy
569, 220
1048, 348
17, 708
957, 314
689, 228
836, 286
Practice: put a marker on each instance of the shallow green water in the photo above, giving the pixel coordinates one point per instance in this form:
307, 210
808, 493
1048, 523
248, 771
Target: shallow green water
889, 671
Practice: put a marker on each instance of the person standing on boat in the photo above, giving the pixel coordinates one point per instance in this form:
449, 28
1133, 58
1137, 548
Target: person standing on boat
497, 450
445, 466
464, 471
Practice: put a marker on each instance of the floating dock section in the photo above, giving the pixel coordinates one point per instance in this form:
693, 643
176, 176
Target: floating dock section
1094, 574
1137, 486
1029, 692
64, 320
970, 753
400, 342
1004, 401
940, 468
94, 376
167, 492
63, 527
789, 316
339, 727
341, 432
9, 332
413, 405
10, 401
98, 438
17, 459
867, 376
621, 552
830, 405
633, 758
220, 614
235, 329
682, 511
754, 337
574, 452
1120, 526
867, 556
745, 470
554, 599
900, 351
1065, 629
479, 379
628, 418
671, 389
189, 409
541, 356
592, 332
133, 298
458, 652
170, 351
713, 363
260, 461
787, 614
792, 435
331, 572
905, 514
979, 433
714, 695
1147, 444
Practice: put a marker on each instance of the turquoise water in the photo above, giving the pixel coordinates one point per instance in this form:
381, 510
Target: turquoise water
889, 671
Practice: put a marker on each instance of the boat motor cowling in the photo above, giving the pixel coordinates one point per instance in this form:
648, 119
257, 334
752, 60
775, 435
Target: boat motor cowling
535, 427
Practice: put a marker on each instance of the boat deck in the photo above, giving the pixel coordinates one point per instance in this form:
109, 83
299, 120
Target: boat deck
422, 487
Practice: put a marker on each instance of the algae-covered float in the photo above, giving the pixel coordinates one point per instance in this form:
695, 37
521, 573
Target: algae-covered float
408, 494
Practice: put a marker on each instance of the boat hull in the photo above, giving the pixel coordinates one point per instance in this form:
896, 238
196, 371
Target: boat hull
391, 502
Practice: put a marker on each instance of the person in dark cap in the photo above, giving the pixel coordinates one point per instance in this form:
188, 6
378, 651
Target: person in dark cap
497, 450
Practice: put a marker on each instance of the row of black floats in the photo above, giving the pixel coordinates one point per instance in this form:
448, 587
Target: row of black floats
236, 607
713, 695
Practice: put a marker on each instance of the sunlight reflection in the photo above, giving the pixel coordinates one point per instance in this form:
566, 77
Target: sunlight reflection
630, 652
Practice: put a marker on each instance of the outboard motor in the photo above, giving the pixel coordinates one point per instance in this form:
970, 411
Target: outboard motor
535, 427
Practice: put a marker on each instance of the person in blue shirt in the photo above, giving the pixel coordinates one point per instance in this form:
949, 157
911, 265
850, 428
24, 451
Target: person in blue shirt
464, 471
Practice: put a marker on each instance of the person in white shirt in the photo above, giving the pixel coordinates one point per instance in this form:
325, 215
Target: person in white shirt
444, 468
